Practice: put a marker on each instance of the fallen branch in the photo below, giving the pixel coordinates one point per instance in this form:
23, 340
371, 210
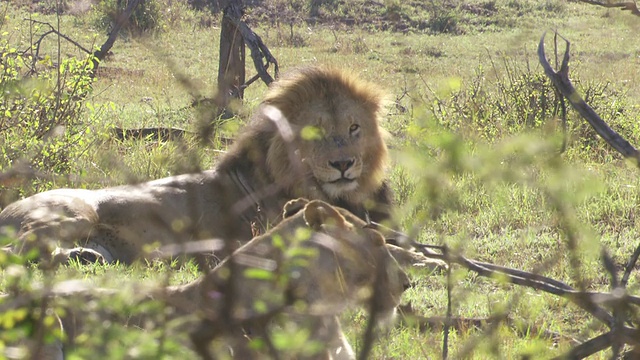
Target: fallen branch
589, 348
618, 299
461, 324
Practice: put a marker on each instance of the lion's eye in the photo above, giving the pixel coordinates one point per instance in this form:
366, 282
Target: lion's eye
354, 129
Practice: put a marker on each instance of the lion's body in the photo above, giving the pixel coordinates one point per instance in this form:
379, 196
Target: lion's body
306, 272
118, 222
323, 142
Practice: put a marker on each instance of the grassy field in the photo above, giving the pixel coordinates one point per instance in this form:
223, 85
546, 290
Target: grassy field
475, 144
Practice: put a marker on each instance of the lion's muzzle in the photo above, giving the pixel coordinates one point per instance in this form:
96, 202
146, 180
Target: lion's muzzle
342, 165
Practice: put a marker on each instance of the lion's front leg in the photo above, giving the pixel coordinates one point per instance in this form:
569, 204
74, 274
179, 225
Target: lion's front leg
82, 255
410, 258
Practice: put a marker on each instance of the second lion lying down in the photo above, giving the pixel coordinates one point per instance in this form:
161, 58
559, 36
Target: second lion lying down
306, 271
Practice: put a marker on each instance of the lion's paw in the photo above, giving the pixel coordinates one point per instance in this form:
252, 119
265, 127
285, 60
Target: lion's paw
431, 264
415, 259
82, 255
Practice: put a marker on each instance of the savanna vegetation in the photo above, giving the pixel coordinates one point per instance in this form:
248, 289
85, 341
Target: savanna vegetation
482, 160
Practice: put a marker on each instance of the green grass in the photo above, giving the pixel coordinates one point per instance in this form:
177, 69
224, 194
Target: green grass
470, 169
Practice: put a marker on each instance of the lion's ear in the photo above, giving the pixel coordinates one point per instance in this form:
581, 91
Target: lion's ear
292, 207
318, 213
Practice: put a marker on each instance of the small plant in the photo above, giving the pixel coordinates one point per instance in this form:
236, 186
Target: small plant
445, 22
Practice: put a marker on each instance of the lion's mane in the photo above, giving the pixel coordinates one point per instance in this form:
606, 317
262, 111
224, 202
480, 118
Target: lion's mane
303, 97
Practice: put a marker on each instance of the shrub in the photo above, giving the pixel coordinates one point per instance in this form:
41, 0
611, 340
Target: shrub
41, 128
507, 105
517, 99
146, 17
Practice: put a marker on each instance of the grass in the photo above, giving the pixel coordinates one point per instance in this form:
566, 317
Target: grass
470, 170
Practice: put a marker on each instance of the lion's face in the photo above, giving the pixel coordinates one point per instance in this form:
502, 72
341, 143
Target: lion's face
336, 143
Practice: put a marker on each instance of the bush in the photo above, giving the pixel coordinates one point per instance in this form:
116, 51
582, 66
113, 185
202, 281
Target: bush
446, 22
41, 130
492, 109
146, 17
515, 100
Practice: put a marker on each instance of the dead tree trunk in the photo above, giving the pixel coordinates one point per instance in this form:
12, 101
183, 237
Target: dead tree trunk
231, 71
235, 35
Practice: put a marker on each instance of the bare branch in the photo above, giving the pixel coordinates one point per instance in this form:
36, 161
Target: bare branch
589, 348
374, 308
461, 324
52, 30
619, 312
448, 319
625, 5
99, 54
630, 265
560, 80
617, 299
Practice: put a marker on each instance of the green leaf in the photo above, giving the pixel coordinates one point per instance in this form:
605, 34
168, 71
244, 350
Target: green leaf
259, 274
311, 133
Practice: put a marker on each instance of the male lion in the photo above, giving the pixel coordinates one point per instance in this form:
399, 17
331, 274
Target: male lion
315, 135
300, 275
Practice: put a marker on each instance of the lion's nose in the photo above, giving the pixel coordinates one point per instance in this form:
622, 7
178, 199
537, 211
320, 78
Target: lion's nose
342, 165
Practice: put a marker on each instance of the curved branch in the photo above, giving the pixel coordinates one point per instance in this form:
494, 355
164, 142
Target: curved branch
586, 300
560, 80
